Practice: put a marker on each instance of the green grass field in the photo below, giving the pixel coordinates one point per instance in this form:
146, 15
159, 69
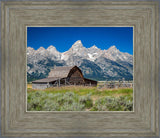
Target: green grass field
79, 98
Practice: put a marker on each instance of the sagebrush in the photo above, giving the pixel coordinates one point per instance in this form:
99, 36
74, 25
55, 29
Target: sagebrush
70, 101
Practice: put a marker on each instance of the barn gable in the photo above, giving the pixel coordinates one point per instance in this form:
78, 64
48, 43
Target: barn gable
75, 76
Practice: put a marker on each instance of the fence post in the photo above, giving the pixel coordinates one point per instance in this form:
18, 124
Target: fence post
59, 82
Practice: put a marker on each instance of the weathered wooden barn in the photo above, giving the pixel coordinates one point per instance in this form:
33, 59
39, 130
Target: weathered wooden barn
63, 76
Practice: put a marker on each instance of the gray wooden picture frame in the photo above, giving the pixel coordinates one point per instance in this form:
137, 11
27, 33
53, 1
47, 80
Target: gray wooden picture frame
143, 121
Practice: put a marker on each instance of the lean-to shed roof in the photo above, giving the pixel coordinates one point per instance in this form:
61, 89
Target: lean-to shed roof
46, 80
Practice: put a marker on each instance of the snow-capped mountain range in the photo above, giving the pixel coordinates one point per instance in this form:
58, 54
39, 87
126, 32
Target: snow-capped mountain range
95, 63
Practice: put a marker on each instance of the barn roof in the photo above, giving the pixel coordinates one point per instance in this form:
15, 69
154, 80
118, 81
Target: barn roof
45, 80
61, 71
90, 80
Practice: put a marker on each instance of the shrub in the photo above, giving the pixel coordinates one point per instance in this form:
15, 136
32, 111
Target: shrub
113, 104
69, 101
86, 100
73, 107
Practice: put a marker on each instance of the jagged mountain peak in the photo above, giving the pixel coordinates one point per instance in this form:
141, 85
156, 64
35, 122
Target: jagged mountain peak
78, 44
113, 48
41, 48
114, 54
30, 48
51, 48
94, 47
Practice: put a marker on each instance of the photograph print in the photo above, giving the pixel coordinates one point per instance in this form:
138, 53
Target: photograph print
79, 68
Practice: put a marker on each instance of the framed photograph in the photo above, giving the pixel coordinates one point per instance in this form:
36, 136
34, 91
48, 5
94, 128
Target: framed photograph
80, 69
71, 76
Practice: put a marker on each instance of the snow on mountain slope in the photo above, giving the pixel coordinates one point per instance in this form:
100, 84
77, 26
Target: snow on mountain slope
114, 54
77, 49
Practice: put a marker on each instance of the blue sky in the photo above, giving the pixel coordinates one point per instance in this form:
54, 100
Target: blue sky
64, 37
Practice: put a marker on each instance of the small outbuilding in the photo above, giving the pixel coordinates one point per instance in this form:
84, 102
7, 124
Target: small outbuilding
63, 76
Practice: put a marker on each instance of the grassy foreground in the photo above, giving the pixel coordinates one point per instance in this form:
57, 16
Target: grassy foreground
79, 98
